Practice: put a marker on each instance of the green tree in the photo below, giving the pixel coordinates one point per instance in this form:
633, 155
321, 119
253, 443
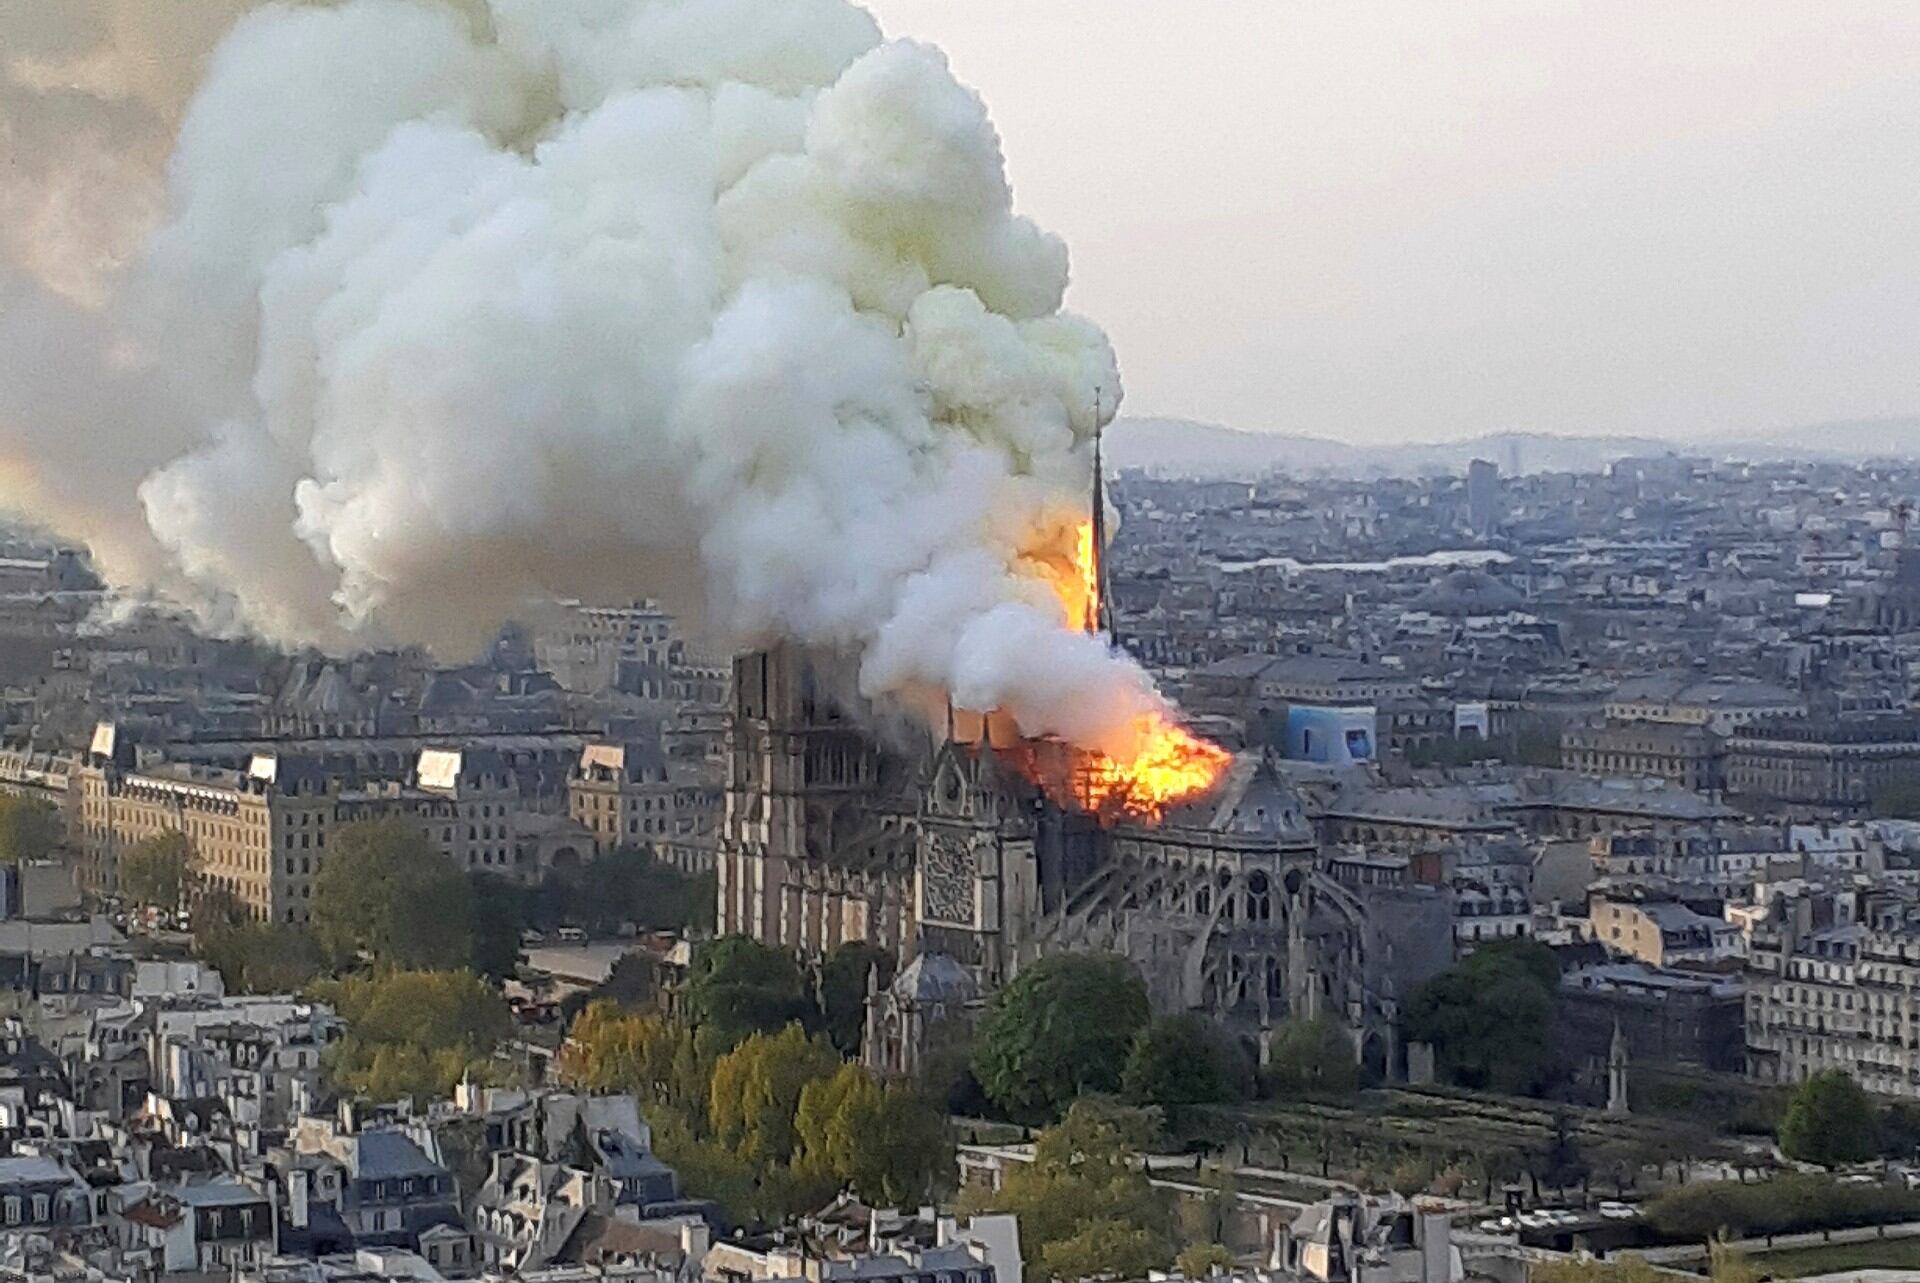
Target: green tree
1790, 1203
156, 871
612, 1049
264, 957
1060, 1030
413, 1033
1311, 1056
384, 892
1177, 1061
843, 990
30, 829
1410, 1176
755, 1096
1104, 1247
499, 915
628, 884
828, 1122
1085, 1206
1203, 1260
1900, 1130
1830, 1121
1561, 1164
737, 986
889, 1145
711, 1170
215, 910
1491, 1017
907, 1156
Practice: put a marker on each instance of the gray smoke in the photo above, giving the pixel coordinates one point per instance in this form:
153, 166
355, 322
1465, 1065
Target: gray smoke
410, 313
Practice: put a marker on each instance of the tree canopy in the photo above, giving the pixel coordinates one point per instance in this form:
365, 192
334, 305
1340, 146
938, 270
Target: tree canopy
1085, 1208
499, 914
1790, 1203
755, 1095
1491, 1017
156, 871
1203, 1260
774, 1127
1062, 1029
1178, 1061
263, 957
1311, 1056
843, 990
30, 829
626, 885
1830, 1121
889, 1145
413, 1033
737, 987
611, 1049
385, 893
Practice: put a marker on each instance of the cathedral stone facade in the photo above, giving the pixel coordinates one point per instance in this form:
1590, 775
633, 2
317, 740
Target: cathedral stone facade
941, 850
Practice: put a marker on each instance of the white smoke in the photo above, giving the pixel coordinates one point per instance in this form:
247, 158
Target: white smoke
446, 308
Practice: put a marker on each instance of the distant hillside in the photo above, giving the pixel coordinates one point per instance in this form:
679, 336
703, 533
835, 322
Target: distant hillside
1182, 447
1841, 439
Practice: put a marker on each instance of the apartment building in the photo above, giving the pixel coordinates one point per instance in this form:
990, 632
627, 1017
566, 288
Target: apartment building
1719, 703
634, 794
261, 834
1829, 765
1689, 754
1663, 933
1843, 994
623, 793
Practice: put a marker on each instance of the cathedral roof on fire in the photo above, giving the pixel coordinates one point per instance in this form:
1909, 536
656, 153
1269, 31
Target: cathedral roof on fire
935, 978
1254, 801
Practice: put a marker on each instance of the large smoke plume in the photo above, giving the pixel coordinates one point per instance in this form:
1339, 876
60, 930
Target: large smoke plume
370, 322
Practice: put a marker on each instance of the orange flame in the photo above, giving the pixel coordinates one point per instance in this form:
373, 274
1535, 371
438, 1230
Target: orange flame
1167, 764
1168, 767
1070, 571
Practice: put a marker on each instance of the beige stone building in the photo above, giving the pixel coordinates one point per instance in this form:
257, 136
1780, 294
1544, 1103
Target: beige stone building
261, 834
252, 836
623, 794
1841, 996
1689, 754
1665, 933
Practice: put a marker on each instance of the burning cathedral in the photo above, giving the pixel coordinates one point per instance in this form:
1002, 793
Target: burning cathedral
969, 852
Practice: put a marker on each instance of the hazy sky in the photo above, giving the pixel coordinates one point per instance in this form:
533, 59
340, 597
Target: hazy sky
1376, 221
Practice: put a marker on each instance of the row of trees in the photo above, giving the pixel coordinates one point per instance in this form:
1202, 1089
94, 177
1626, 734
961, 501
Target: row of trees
750, 1097
30, 829
401, 943
414, 1034
1790, 1203
753, 1103
387, 898
1493, 1021
1077, 1024
1086, 1208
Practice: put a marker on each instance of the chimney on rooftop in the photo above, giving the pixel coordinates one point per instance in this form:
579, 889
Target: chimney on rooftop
297, 1195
